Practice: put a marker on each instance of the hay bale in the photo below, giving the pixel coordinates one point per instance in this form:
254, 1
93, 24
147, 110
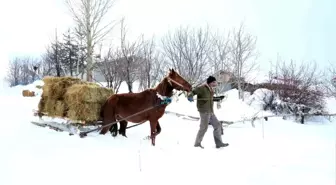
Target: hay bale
50, 79
60, 108
41, 105
28, 93
84, 101
90, 93
72, 98
50, 107
88, 112
55, 87
54, 108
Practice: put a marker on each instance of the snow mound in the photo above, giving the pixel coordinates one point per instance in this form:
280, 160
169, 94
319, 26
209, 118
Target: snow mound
17, 90
331, 105
259, 97
233, 108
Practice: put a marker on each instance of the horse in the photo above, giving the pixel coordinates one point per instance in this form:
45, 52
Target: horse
123, 106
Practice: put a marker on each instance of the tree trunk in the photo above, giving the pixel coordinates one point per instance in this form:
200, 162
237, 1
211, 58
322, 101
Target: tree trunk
89, 44
89, 62
148, 81
240, 91
130, 86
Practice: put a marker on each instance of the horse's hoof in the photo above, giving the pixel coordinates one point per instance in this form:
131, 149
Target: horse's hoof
114, 134
82, 135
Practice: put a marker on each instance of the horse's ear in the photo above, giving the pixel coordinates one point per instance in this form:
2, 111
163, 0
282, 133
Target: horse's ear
172, 70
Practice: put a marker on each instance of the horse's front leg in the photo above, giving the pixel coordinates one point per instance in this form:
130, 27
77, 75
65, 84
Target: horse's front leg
153, 125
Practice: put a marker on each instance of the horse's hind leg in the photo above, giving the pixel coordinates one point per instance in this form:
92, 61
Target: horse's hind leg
114, 129
123, 126
158, 128
105, 128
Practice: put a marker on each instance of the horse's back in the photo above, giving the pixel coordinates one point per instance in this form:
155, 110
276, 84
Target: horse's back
139, 97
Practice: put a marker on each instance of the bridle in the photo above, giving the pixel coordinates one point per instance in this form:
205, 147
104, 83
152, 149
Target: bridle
171, 81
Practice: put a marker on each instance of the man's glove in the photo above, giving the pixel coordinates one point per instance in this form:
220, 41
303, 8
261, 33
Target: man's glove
191, 99
218, 98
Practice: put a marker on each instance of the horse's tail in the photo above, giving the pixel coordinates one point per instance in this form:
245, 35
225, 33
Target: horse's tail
107, 113
102, 109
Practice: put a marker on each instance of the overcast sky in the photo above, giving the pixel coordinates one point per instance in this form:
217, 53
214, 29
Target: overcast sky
299, 29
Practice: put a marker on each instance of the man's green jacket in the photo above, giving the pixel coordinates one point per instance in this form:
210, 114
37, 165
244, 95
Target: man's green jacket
204, 98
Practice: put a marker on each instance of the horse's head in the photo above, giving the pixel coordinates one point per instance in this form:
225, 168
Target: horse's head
177, 82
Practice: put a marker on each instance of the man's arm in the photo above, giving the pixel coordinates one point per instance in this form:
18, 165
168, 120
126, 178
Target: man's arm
194, 92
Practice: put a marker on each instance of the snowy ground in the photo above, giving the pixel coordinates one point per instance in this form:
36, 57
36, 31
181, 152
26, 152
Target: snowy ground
275, 152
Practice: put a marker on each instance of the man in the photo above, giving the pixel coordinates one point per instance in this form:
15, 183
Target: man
205, 108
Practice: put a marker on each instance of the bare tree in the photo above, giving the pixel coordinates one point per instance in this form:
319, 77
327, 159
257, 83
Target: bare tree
330, 80
89, 15
109, 67
71, 51
130, 55
151, 65
56, 55
243, 56
220, 52
21, 71
298, 84
46, 67
13, 74
53, 60
187, 50
80, 65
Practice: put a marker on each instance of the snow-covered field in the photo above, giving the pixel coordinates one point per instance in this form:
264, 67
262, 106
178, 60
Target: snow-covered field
274, 152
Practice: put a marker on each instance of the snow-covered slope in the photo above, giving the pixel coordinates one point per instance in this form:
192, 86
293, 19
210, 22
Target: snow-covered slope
275, 152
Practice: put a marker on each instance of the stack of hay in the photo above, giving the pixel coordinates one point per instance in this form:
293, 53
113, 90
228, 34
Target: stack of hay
72, 98
52, 99
85, 101
28, 93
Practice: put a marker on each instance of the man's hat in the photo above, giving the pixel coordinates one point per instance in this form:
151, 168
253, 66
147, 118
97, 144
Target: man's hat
210, 79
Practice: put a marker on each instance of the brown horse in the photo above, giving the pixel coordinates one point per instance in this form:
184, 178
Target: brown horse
123, 106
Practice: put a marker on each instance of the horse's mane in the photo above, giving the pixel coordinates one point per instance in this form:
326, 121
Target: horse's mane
164, 88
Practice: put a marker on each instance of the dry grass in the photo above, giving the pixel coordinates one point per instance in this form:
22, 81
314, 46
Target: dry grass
87, 112
55, 87
72, 98
85, 101
89, 93
28, 93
